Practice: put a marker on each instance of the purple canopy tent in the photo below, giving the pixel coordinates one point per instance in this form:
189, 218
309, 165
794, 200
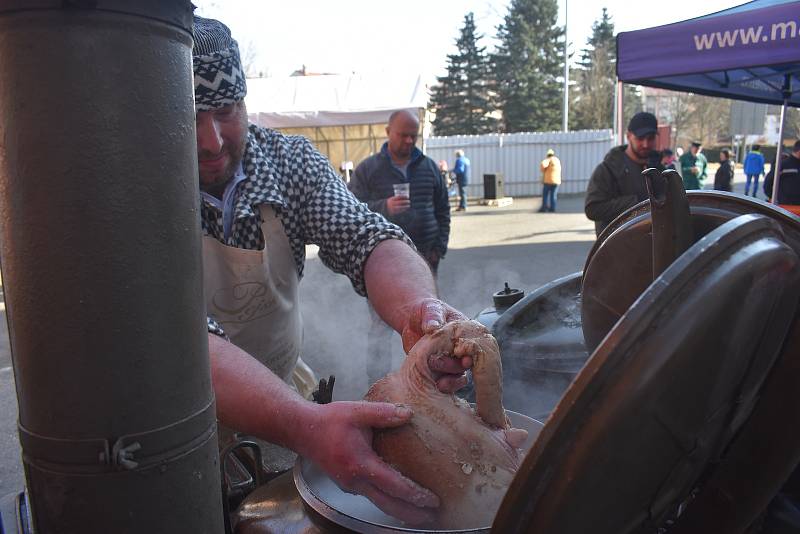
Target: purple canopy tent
749, 52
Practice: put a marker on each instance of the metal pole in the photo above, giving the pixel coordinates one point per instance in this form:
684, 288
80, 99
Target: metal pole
615, 112
787, 92
620, 126
565, 115
101, 264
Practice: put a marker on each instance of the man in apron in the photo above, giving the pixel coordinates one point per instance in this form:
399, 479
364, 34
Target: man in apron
264, 197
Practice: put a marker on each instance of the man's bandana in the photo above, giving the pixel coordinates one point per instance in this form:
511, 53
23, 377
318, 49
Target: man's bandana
218, 76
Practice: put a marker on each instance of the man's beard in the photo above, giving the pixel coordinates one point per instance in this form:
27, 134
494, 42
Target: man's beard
216, 186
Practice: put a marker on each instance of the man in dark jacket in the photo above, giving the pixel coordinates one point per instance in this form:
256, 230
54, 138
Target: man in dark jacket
617, 183
723, 179
423, 212
789, 184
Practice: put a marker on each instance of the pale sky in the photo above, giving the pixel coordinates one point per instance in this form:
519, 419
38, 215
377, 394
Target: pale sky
415, 35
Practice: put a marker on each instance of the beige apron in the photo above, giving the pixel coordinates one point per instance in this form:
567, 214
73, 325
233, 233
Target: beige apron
254, 296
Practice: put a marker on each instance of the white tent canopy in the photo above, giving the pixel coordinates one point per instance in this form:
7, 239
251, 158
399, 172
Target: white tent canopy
332, 100
345, 115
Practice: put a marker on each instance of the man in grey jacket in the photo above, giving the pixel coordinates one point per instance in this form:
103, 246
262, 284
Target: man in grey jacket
617, 183
423, 212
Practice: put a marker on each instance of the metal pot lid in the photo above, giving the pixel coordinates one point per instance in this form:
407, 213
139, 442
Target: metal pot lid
357, 513
665, 392
619, 265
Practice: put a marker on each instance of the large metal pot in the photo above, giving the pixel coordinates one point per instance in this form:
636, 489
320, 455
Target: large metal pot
317, 505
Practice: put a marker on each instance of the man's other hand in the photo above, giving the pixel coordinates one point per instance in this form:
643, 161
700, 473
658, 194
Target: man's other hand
341, 444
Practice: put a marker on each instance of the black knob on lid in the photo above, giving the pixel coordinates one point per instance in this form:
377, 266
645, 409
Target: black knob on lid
507, 297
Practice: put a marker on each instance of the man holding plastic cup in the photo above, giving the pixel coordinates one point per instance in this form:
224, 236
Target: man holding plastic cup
406, 187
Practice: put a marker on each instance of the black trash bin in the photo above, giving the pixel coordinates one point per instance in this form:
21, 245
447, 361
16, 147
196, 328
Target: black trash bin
493, 186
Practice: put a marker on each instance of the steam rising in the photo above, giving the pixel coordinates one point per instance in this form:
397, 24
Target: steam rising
537, 369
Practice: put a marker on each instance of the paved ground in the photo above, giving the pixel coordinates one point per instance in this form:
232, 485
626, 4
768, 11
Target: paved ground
489, 246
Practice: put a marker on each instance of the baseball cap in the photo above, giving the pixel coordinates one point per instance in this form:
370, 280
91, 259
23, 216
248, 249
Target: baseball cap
643, 124
551, 152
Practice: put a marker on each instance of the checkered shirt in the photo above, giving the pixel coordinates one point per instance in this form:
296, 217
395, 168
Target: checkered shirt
311, 201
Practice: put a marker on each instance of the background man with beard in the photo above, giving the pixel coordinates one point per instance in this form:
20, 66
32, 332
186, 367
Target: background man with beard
264, 197
617, 183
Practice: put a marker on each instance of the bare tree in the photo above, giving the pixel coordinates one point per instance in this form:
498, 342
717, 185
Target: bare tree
709, 119
792, 126
680, 110
249, 54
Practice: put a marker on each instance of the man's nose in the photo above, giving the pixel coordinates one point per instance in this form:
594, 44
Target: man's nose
209, 138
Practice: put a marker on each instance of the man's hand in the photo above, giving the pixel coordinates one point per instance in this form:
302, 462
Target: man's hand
397, 204
426, 317
340, 442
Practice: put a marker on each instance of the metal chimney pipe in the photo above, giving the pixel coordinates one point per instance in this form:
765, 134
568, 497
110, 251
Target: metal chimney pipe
101, 264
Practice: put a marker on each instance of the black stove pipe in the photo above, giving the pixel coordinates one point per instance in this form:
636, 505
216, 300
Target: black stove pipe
101, 265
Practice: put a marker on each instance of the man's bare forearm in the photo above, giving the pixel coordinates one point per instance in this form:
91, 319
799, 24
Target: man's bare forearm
397, 279
253, 400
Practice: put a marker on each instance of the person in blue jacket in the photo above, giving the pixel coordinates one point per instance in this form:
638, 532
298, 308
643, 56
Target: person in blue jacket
461, 170
753, 168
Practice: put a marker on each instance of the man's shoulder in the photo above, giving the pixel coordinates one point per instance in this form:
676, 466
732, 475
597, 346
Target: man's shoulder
614, 160
369, 163
273, 142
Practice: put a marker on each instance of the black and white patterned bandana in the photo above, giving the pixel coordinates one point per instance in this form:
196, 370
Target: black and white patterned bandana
218, 76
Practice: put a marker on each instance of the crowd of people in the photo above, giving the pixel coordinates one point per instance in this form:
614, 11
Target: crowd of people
616, 183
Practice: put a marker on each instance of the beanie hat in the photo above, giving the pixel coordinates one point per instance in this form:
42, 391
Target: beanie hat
218, 76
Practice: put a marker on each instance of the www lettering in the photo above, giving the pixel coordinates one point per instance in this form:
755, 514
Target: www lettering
746, 36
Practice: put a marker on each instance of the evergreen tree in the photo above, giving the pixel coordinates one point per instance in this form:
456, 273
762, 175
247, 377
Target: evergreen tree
528, 65
461, 99
592, 98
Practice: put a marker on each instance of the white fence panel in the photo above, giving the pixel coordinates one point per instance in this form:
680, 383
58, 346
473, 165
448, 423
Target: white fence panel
517, 157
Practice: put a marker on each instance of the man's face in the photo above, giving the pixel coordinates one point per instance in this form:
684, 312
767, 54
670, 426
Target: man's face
694, 150
402, 133
642, 146
221, 139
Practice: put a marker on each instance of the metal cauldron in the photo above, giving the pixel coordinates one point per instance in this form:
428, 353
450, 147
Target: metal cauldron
316, 504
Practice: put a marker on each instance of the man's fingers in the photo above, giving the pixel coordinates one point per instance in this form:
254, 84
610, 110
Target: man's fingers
454, 315
380, 414
443, 363
410, 338
433, 316
407, 513
395, 485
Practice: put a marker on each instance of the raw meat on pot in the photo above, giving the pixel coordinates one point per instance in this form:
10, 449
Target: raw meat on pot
466, 457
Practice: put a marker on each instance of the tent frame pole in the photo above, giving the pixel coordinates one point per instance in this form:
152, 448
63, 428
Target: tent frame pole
787, 93
618, 113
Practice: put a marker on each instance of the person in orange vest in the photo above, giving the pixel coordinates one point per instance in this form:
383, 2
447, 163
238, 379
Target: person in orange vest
551, 179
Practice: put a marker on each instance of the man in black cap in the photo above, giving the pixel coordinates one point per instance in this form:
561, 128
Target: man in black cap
694, 167
617, 183
264, 197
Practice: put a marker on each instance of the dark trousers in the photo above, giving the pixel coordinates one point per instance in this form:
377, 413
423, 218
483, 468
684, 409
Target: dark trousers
754, 179
462, 195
